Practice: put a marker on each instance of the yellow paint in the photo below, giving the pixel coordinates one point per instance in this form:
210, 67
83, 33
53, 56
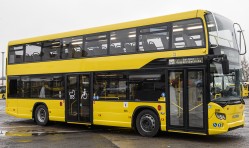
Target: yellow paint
22, 108
230, 111
122, 62
178, 131
118, 114
18, 134
244, 89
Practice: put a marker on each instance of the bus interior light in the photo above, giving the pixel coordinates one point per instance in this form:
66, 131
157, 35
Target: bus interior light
132, 35
178, 30
194, 27
76, 43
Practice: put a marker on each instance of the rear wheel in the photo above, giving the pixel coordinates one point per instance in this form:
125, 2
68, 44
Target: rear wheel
41, 115
147, 123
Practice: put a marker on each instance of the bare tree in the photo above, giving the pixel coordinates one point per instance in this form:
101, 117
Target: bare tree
245, 68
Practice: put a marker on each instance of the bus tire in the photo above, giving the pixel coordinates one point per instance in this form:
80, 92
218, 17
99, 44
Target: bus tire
147, 123
41, 115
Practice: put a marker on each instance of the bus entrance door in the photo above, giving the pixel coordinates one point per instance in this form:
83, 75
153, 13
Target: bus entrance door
78, 98
185, 99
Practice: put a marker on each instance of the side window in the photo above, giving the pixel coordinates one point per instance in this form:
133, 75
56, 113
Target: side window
146, 87
14, 87
187, 34
154, 38
123, 41
33, 52
72, 48
110, 86
25, 87
51, 50
41, 87
16, 54
96, 45
57, 89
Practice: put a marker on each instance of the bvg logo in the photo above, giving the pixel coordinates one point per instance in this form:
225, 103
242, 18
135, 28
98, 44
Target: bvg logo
218, 125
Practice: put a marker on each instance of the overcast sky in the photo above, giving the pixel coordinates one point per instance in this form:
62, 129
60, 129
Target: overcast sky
29, 18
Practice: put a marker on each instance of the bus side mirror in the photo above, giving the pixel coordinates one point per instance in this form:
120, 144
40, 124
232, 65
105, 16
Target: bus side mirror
225, 66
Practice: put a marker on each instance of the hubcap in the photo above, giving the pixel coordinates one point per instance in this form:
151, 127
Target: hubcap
147, 123
41, 115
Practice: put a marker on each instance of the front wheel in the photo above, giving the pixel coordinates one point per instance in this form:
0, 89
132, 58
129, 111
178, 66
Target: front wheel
147, 123
41, 115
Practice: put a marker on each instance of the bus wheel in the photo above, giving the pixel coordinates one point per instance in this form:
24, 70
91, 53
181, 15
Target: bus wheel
147, 123
41, 115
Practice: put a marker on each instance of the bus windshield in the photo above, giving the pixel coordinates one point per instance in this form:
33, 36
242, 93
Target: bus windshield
225, 35
224, 89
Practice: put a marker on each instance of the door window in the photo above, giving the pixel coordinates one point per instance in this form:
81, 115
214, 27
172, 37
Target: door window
176, 98
195, 98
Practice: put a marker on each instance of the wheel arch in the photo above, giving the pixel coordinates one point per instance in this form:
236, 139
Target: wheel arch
35, 106
138, 110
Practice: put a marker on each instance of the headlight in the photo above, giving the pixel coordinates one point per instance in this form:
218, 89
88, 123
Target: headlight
220, 116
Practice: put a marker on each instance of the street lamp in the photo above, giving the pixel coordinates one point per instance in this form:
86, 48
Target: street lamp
2, 65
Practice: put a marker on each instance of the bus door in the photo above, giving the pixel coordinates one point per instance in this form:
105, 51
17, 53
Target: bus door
78, 98
186, 109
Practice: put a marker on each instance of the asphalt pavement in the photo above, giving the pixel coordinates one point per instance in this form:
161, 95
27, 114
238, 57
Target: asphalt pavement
24, 133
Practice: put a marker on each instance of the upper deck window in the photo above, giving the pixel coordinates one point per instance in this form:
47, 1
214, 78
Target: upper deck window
16, 54
188, 34
154, 38
72, 47
33, 52
96, 45
225, 36
123, 41
51, 50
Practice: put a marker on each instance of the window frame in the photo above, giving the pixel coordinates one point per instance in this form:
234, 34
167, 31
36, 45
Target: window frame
203, 30
169, 29
18, 78
107, 33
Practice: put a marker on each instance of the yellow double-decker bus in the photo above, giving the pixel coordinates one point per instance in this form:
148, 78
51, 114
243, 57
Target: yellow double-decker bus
175, 73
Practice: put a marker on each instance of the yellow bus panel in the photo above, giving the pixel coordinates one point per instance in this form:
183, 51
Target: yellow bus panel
120, 113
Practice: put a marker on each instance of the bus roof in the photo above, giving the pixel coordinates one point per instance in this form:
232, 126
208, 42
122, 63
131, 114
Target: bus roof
131, 24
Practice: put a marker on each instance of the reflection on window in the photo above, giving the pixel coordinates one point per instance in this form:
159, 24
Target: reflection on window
25, 87
176, 98
37, 87
16, 54
57, 89
223, 87
33, 52
146, 87
51, 50
154, 39
72, 48
110, 86
96, 45
195, 95
188, 34
14, 83
123, 41
225, 31
40, 87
